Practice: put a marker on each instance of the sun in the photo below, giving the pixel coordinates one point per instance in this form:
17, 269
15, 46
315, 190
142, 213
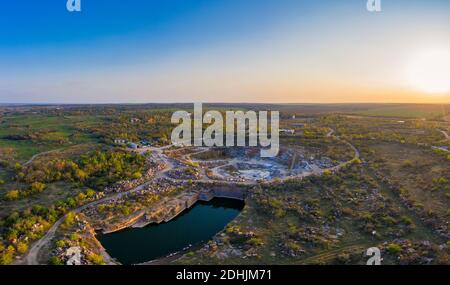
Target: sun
429, 71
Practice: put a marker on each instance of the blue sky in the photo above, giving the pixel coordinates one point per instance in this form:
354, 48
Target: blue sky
211, 50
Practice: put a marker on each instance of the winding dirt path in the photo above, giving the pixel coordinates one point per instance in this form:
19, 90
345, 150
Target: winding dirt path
31, 258
40, 154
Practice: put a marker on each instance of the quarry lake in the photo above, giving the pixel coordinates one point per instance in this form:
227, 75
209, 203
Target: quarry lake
194, 226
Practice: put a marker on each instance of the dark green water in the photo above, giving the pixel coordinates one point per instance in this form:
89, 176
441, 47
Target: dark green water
193, 226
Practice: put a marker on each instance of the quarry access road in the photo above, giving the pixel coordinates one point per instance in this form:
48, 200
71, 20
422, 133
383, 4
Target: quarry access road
31, 258
316, 172
39, 155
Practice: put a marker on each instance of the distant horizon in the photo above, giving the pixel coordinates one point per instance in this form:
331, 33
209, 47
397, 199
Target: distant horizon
228, 103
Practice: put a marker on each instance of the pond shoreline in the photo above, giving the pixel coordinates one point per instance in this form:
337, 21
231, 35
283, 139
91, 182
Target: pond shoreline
169, 210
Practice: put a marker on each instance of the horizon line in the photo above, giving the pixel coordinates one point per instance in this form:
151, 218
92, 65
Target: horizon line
224, 103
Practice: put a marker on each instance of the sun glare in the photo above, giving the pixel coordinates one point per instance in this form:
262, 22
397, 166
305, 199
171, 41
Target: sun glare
429, 71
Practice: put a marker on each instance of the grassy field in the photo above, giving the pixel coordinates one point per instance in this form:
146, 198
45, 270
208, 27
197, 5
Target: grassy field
398, 191
421, 173
408, 111
54, 192
29, 134
318, 221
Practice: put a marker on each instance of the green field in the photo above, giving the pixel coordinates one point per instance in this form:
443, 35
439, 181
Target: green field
408, 111
29, 134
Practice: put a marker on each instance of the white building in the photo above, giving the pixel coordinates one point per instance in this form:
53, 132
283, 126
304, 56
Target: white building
287, 131
119, 141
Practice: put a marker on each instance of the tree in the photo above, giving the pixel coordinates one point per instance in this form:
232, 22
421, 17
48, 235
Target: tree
69, 220
256, 241
90, 193
394, 248
137, 175
6, 257
96, 259
81, 197
60, 243
22, 247
37, 187
12, 195
80, 175
56, 260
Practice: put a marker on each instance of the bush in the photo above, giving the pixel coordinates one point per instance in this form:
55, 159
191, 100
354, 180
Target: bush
407, 163
56, 260
256, 241
22, 247
37, 187
293, 246
6, 257
442, 181
407, 220
137, 175
12, 195
90, 193
389, 220
125, 210
69, 220
394, 248
60, 243
96, 259
74, 237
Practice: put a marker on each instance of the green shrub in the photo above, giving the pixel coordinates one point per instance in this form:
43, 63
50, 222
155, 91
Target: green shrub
69, 220
256, 241
12, 195
56, 260
136, 175
37, 187
96, 259
394, 248
22, 247
60, 243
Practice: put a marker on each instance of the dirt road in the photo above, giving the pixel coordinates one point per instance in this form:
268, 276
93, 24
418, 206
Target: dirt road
32, 256
38, 155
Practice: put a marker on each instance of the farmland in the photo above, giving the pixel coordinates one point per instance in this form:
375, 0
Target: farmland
348, 178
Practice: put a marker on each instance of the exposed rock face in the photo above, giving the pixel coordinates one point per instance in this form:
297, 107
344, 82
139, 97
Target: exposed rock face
152, 167
74, 255
119, 226
232, 192
166, 210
